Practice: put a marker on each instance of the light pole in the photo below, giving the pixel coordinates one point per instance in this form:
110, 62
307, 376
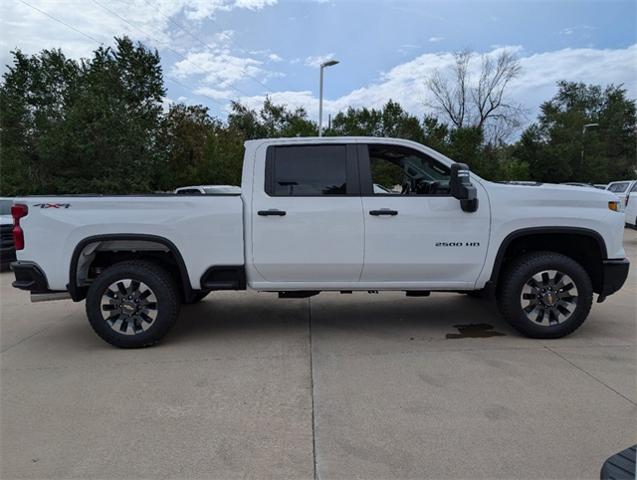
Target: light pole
329, 63
584, 128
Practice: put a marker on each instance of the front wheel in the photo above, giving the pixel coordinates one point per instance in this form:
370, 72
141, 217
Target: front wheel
545, 295
132, 304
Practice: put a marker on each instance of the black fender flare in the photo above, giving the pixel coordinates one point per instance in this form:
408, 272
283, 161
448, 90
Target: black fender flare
524, 232
79, 293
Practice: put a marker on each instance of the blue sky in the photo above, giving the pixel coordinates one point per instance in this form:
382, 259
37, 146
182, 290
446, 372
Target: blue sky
245, 49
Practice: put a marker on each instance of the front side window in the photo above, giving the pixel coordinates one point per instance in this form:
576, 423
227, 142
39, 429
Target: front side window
619, 187
634, 189
307, 170
400, 170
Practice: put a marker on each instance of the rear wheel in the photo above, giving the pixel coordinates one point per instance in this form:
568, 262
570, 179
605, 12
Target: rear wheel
545, 295
132, 304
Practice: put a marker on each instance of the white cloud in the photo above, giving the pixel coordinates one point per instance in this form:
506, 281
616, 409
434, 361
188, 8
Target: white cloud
405, 83
436, 39
274, 57
215, 94
30, 30
315, 61
575, 29
220, 69
201, 9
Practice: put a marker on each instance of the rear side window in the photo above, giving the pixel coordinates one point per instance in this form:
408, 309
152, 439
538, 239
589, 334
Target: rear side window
619, 187
188, 191
307, 170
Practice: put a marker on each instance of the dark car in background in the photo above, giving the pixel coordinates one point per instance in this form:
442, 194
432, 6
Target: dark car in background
7, 249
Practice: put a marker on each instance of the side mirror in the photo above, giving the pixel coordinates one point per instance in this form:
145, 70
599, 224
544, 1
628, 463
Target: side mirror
461, 187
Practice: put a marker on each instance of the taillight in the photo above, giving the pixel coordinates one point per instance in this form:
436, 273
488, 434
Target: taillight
17, 212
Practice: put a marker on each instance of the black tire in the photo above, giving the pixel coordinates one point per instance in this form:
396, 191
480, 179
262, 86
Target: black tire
197, 297
165, 308
544, 307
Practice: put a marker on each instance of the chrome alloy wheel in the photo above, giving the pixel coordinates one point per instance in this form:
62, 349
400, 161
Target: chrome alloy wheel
129, 306
549, 298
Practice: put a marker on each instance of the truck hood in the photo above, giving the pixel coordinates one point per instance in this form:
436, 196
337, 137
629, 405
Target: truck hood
547, 194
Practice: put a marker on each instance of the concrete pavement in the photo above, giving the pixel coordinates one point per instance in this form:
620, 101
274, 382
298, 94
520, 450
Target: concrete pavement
336, 386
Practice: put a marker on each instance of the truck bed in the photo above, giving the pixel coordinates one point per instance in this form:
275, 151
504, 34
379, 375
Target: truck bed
207, 230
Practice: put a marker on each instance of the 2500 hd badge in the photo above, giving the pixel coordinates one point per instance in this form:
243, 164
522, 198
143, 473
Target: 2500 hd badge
457, 244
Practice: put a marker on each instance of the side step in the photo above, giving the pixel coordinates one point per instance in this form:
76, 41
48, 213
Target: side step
298, 294
48, 296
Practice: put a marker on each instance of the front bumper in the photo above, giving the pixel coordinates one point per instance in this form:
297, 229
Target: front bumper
29, 276
614, 274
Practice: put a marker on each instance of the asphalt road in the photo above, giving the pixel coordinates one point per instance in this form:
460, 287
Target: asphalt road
337, 386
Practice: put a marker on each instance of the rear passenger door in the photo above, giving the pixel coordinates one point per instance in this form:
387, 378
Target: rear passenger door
307, 220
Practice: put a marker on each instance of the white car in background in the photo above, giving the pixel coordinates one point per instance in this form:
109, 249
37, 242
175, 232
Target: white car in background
631, 207
209, 190
622, 189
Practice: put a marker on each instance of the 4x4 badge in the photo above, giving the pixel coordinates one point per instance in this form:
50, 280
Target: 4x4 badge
52, 205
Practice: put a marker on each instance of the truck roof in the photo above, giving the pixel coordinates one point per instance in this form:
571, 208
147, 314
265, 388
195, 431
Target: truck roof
305, 140
255, 144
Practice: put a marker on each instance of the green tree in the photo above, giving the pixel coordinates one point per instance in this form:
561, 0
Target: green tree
553, 146
89, 126
35, 93
270, 122
390, 121
185, 136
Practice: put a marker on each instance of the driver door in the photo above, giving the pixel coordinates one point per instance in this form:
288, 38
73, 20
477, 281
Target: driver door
415, 231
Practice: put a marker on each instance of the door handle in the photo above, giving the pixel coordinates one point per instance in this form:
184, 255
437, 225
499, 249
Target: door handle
384, 211
271, 213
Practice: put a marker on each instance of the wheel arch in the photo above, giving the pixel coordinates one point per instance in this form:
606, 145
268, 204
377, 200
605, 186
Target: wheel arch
583, 245
78, 291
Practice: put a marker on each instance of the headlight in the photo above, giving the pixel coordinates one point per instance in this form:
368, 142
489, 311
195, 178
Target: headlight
616, 206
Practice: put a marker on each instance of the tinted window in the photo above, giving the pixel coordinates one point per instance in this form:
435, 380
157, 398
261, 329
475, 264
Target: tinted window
188, 191
618, 187
398, 170
308, 170
634, 189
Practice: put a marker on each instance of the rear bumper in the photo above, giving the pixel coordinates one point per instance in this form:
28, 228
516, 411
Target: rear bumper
614, 274
29, 276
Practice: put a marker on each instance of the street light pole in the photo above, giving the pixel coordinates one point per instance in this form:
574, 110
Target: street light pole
329, 63
584, 128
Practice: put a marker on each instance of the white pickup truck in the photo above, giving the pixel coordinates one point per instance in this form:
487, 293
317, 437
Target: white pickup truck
317, 214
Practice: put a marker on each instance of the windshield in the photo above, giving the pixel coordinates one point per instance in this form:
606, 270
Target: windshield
5, 207
618, 187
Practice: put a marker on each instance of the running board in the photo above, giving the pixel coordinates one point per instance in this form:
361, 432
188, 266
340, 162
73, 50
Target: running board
298, 294
47, 297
